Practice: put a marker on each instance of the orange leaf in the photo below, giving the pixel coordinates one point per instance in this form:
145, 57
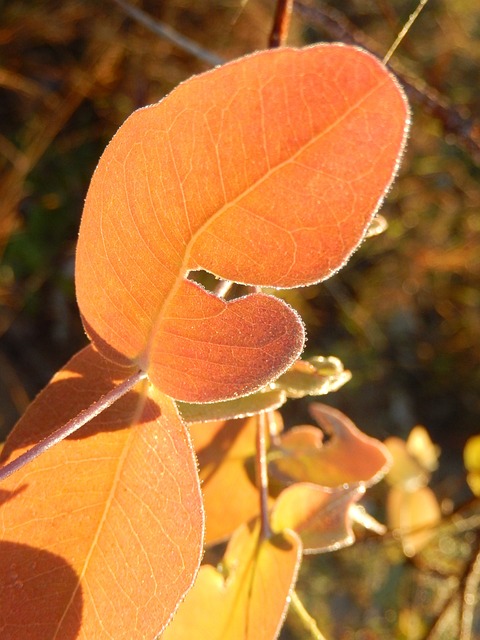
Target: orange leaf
265, 171
102, 534
319, 515
415, 515
226, 452
348, 457
248, 599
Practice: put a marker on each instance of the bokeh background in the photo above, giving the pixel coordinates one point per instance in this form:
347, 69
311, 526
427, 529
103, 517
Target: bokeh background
403, 316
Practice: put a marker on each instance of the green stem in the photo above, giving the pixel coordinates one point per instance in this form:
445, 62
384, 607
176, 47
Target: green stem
305, 618
405, 30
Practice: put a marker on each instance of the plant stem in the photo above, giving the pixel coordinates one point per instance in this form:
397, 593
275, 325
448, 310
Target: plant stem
404, 31
165, 31
306, 619
72, 425
261, 473
222, 288
469, 601
281, 24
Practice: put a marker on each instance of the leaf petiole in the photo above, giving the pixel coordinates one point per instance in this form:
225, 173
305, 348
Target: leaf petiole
72, 425
261, 473
307, 620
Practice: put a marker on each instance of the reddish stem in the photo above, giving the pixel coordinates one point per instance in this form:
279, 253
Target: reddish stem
72, 425
261, 472
222, 288
281, 24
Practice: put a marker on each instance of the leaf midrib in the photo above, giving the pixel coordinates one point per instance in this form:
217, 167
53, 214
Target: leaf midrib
183, 271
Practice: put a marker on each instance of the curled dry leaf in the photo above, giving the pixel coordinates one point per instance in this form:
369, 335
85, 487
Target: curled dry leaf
377, 226
313, 377
247, 598
319, 515
348, 457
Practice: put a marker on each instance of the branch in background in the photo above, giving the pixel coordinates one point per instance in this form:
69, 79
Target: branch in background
281, 24
466, 131
470, 599
166, 32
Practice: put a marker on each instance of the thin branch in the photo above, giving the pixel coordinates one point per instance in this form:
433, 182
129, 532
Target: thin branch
306, 619
470, 596
72, 425
165, 31
464, 592
465, 130
404, 31
222, 288
261, 473
281, 24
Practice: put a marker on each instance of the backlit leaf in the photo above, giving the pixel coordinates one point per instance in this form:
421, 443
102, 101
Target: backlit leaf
413, 460
414, 515
421, 447
314, 377
226, 452
319, 515
265, 171
104, 535
348, 457
263, 400
471, 457
247, 599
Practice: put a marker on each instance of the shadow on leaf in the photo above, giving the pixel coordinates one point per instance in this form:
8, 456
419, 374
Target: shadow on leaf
30, 576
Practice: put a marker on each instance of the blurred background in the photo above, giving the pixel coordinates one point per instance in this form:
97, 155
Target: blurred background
403, 316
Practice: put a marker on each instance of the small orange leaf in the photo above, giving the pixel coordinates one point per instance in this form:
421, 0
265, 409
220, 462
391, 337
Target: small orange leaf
248, 599
112, 516
414, 515
265, 171
263, 400
471, 457
348, 457
406, 471
314, 377
319, 515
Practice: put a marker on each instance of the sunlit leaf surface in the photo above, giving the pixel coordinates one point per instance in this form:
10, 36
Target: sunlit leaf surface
226, 452
103, 533
264, 400
246, 598
266, 171
319, 515
348, 456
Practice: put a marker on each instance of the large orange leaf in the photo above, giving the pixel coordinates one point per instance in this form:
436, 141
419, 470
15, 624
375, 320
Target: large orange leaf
265, 171
248, 597
101, 535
